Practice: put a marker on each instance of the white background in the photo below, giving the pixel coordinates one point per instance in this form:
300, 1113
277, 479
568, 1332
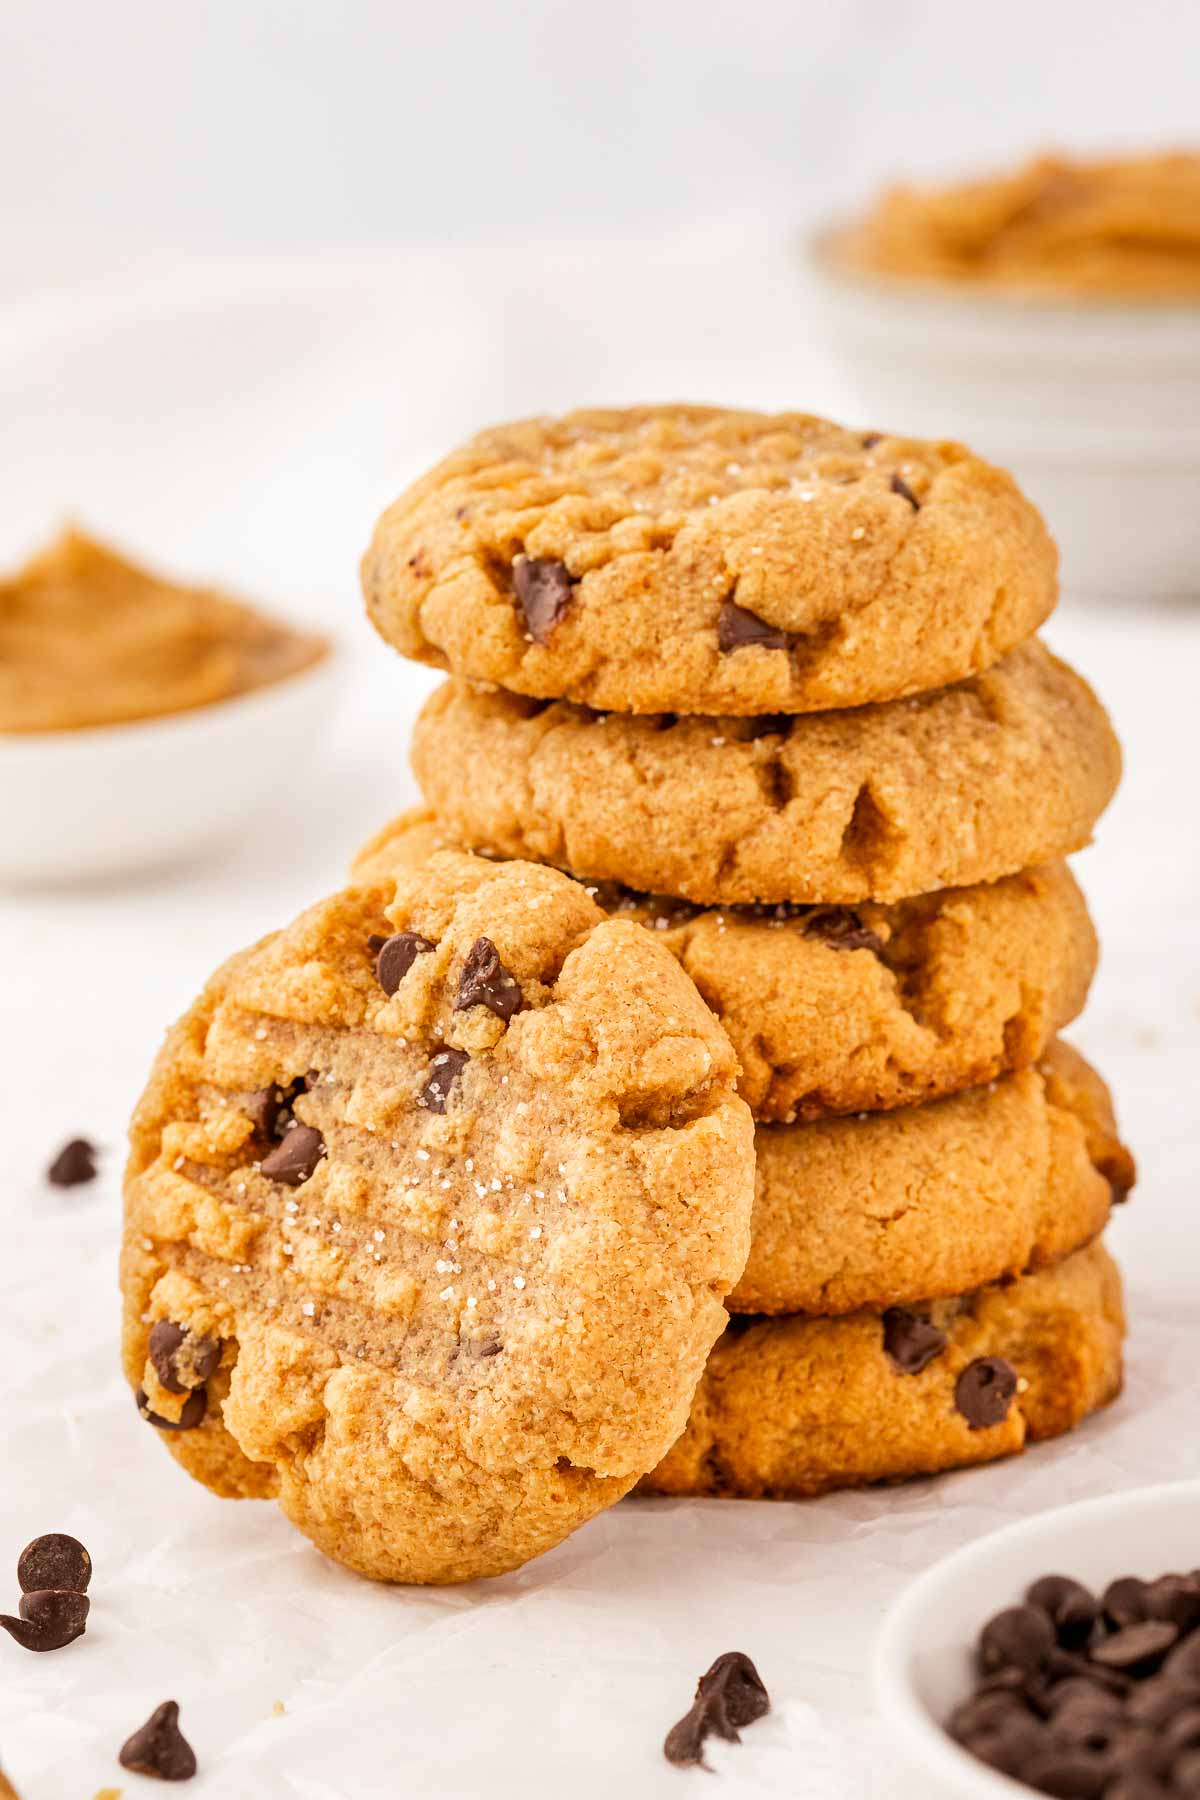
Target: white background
485, 210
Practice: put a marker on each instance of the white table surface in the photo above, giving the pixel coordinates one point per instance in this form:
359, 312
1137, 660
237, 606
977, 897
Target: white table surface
174, 429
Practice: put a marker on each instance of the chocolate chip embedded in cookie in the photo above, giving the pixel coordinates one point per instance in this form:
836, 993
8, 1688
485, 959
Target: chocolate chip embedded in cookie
854, 1009
799, 1406
1009, 769
889, 1209
456, 1298
690, 559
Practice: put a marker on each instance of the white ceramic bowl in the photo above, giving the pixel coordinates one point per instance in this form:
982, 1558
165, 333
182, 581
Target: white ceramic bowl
1094, 405
113, 799
923, 1660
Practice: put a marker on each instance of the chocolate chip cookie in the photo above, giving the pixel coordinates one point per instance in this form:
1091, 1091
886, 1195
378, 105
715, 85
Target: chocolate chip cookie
970, 783
836, 1009
893, 1208
433, 1202
798, 1406
690, 559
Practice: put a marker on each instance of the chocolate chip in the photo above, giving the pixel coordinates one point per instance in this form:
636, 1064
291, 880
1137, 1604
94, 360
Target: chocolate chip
1174, 1597
736, 626
987, 1711
181, 1361
1093, 1721
1183, 1731
1137, 1647
841, 927
271, 1107
1125, 1600
983, 1392
869, 439
74, 1164
543, 588
50, 1618
729, 1696
1073, 1610
1160, 1698
194, 1409
486, 1346
295, 1156
1081, 1690
396, 955
901, 487
911, 1341
1185, 1773
1068, 1773
159, 1748
486, 982
1007, 1745
444, 1071
1183, 1663
54, 1561
1020, 1637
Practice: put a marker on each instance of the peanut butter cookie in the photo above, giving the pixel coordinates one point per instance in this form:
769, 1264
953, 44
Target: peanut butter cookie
690, 559
970, 783
433, 1202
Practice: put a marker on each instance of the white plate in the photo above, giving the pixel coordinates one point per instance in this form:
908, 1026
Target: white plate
923, 1658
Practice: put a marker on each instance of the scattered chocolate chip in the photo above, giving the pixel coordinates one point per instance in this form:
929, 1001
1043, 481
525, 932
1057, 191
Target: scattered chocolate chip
841, 927
194, 1409
181, 1361
543, 588
911, 1341
729, 1696
1136, 1647
901, 487
736, 627
54, 1561
1072, 1609
395, 956
1020, 1637
295, 1156
984, 1391
486, 982
74, 1164
159, 1748
486, 1346
50, 1618
444, 1071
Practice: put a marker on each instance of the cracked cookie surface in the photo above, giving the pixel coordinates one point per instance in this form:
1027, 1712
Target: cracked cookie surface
433, 1202
896, 1208
840, 1010
1007, 770
795, 1407
699, 560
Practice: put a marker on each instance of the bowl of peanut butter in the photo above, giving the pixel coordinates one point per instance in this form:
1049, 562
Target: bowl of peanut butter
1050, 314
141, 719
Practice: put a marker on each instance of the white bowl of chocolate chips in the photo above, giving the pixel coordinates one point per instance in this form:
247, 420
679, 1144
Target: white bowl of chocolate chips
1058, 1656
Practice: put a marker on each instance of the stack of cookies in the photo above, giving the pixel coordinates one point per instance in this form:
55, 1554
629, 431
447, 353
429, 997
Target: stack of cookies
769, 688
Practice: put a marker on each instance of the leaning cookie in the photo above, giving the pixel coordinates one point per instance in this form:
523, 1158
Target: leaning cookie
832, 1009
433, 1202
690, 559
973, 782
799, 1406
894, 1208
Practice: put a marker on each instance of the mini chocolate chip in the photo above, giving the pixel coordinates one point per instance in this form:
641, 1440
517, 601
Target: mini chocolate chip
159, 1748
295, 1156
984, 1391
841, 927
1125, 1600
271, 1107
75, 1163
1174, 1597
396, 955
181, 1361
54, 1561
1020, 1637
1070, 1774
485, 1346
50, 1618
736, 626
444, 1071
869, 439
901, 487
729, 1695
543, 588
375, 943
194, 1409
1073, 1610
1136, 1647
911, 1341
486, 982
